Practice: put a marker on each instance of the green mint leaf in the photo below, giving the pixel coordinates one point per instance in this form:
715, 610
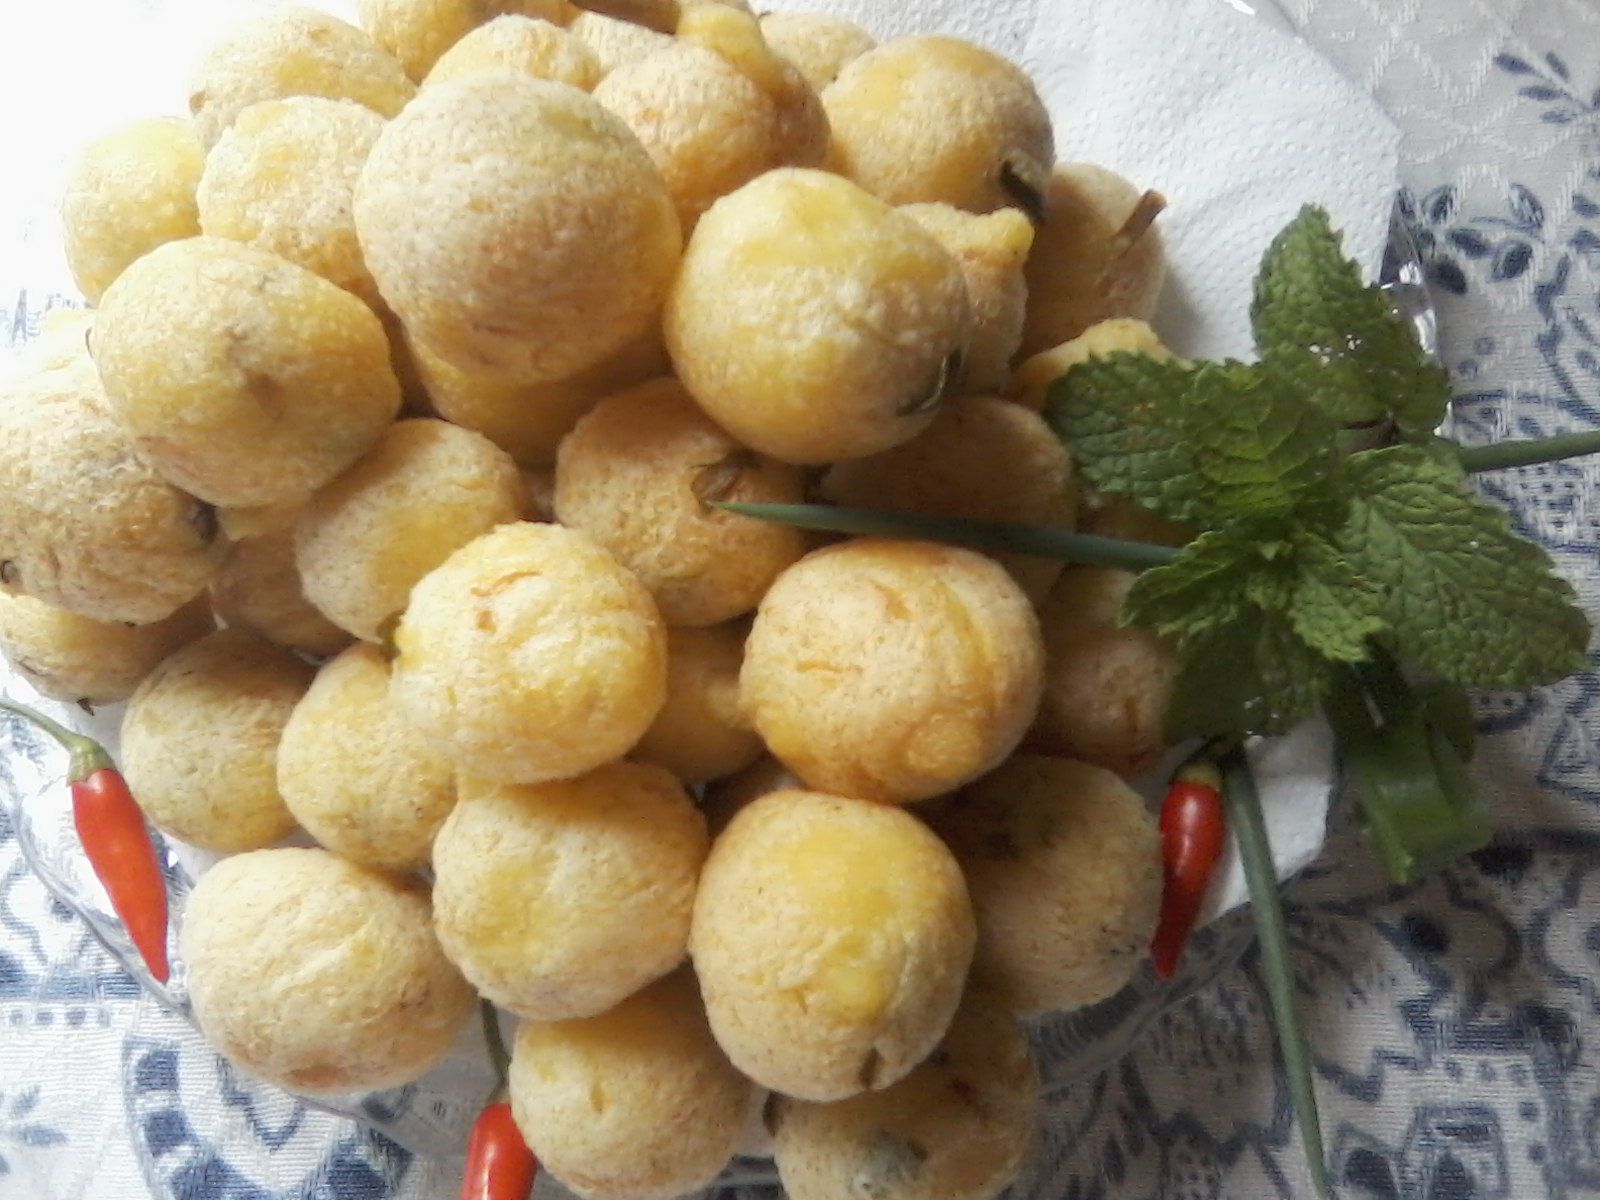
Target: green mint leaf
1257, 445
1252, 674
1203, 587
1119, 416
1464, 597
1335, 610
1316, 319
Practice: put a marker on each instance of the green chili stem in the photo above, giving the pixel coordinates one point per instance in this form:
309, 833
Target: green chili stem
991, 536
1255, 851
85, 755
498, 1055
1498, 456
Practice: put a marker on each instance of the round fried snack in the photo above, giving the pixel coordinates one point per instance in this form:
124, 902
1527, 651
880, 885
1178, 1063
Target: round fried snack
637, 475
85, 524
1106, 686
290, 50
515, 43
831, 938
530, 654
892, 671
701, 733
355, 776
319, 975
991, 249
615, 42
200, 740
283, 380
281, 179
528, 420
425, 490
79, 659
1064, 865
956, 1128
982, 457
637, 1103
419, 32
1098, 255
932, 118
559, 899
1030, 385
257, 521
258, 588
515, 225
818, 44
813, 322
129, 192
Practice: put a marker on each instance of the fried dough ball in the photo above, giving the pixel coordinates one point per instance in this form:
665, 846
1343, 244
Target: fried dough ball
707, 126
956, 1128
293, 51
701, 732
530, 654
129, 192
516, 43
637, 1103
515, 225
425, 490
831, 938
615, 42
200, 740
242, 377
1106, 686
724, 798
1110, 515
353, 773
560, 899
1098, 255
258, 588
991, 250
319, 975
892, 670
812, 321
72, 658
1064, 865
85, 524
932, 118
818, 44
982, 457
528, 420
635, 475
281, 178
419, 32
1030, 385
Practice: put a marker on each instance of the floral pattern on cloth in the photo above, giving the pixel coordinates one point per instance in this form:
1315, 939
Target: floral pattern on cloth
1456, 1024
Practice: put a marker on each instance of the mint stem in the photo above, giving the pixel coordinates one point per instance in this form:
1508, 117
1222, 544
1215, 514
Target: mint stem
990, 536
1243, 805
1498, 456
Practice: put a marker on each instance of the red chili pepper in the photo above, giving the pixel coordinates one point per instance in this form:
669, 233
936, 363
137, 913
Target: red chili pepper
1193, 830
499, 1164
115, 838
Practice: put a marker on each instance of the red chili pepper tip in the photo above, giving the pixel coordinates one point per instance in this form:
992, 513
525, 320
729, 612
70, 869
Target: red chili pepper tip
120, 849
499, 1164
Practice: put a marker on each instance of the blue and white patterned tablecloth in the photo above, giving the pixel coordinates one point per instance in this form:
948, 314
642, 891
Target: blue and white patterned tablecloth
1457, 1024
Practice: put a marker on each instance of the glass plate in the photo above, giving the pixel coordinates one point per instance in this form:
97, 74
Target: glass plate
433, 1115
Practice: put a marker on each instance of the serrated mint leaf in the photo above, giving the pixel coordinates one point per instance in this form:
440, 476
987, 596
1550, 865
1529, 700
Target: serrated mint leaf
1315, 317
1118, 415
1202, 587
1253, 674
1257, 445
1334, 609
1464, 596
